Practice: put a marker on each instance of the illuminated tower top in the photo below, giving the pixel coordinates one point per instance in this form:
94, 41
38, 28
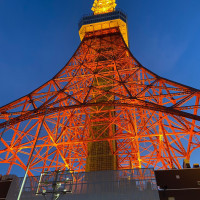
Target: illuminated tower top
105, 16
103, 6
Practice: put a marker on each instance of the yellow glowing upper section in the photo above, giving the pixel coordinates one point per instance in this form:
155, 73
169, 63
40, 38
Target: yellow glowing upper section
105, 25
103, 6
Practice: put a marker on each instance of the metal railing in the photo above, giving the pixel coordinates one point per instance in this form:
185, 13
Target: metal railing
90, 19
131, 184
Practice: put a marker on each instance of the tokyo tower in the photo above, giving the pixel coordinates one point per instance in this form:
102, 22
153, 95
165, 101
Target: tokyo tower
102, 111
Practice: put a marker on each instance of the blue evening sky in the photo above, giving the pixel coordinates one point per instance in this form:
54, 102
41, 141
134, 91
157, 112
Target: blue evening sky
37, 38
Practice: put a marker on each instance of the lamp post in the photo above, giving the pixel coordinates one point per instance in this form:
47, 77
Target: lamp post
56, 188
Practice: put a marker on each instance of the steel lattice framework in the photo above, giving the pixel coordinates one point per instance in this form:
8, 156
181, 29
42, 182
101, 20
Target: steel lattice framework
155, 120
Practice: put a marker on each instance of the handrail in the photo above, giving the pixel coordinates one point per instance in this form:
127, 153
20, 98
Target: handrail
89, 19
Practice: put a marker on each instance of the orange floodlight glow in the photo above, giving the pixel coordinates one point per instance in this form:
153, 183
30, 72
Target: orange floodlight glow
103, 111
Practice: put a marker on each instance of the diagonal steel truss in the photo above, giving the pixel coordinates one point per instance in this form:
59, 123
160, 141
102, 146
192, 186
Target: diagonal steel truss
156, 120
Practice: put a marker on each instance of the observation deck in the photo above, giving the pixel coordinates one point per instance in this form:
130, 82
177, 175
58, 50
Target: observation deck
93, 22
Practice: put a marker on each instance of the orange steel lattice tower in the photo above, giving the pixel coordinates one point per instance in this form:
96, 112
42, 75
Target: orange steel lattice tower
103, 110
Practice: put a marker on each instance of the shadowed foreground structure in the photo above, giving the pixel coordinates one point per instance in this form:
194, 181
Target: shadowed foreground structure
137, 184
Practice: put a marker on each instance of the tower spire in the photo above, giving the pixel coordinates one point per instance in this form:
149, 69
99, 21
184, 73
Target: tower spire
103, 6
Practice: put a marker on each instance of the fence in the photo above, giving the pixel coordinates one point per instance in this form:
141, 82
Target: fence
136, 184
